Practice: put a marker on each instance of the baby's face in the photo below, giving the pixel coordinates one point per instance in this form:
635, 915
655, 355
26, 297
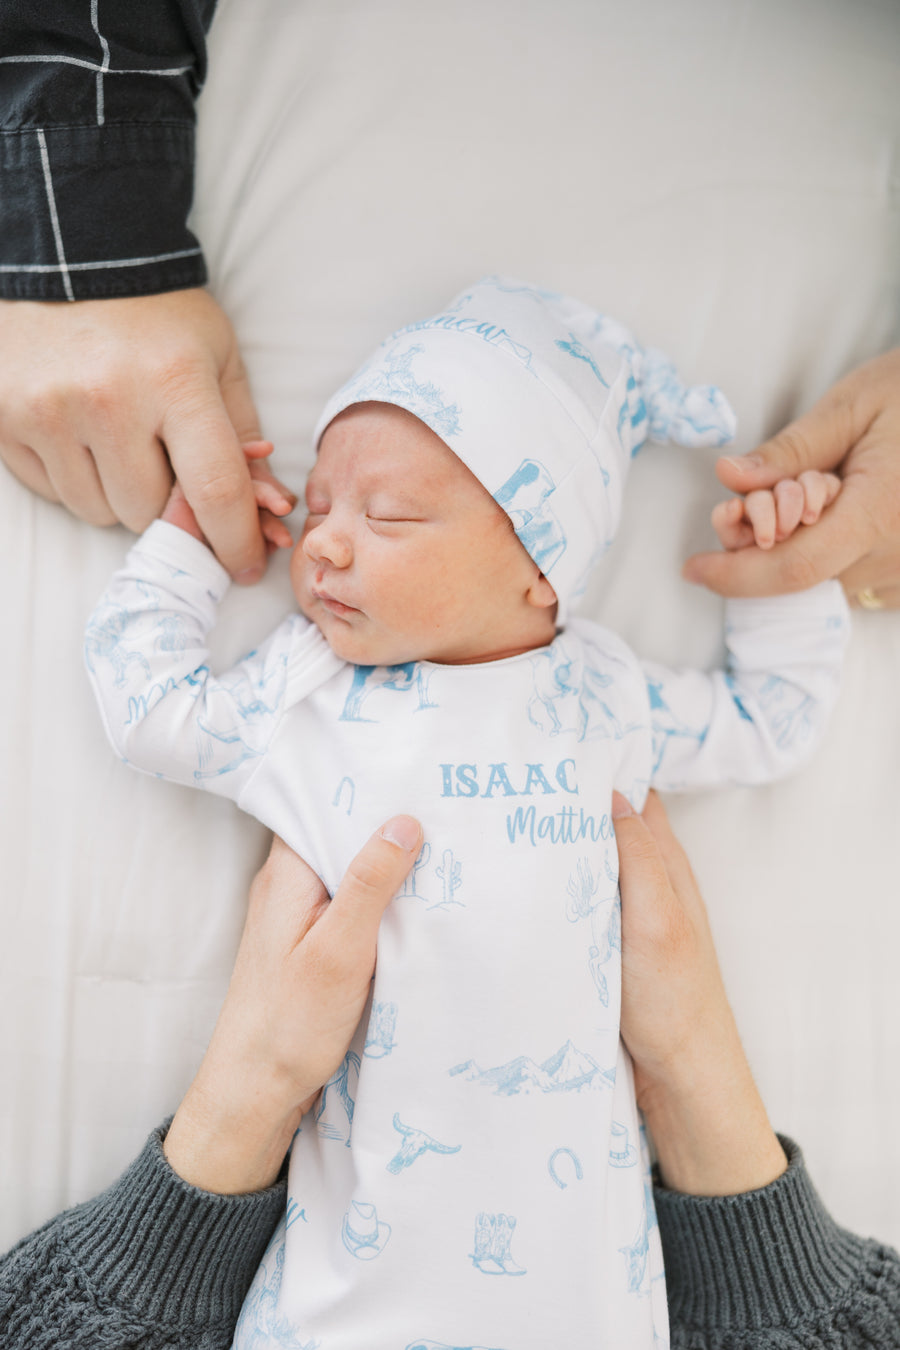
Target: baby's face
405, 556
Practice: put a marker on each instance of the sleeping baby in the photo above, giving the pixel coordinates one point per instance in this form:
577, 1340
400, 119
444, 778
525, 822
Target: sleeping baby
475, 1173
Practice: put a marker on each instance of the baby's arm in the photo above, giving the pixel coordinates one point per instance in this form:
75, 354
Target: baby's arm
761, 716
146, 652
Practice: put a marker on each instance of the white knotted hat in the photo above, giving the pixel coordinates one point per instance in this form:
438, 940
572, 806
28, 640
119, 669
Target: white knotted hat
545, 401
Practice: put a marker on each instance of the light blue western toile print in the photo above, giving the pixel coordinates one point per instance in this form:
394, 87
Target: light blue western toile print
394, 380
261, 1325
555, 1167
334, 1111
526, 497
420, 1344
567, 1070
414, 1144
596, 899
411, 679
493, 1240
381, 1030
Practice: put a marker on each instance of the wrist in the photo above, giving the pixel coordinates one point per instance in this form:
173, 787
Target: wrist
230, 1136
177, 512
709, 1126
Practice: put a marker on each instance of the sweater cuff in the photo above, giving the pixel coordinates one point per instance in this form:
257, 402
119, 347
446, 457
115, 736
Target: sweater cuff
168, 1251
93, 212
769, 1258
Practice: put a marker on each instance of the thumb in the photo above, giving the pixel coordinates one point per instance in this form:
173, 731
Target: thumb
351, 921
642, 870
818, 440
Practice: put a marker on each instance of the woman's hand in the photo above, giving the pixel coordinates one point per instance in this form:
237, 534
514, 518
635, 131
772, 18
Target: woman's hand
693, 1082
273, 500
102, 401
855, 429
300, 983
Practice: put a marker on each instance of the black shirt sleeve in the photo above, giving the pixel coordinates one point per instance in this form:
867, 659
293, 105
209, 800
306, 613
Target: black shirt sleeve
97, 146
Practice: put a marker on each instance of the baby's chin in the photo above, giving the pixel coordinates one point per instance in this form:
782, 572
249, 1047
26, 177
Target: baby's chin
351, 646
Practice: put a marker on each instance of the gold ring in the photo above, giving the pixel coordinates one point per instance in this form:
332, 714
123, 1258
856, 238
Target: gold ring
869, 599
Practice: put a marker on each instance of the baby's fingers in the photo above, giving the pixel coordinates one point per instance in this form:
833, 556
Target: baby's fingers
275, 532
819, 491
271, 496
759, 508
729, 524
280, 499
789, 506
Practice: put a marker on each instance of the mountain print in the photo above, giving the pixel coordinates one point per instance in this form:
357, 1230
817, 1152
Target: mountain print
568, 1070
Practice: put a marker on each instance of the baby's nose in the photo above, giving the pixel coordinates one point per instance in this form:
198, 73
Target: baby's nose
325, 542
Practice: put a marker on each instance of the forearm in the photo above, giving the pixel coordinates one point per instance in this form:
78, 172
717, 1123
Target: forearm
771, 1266
146, 651
709, 1127
763, 714
113, 1270
785, 659
97, 107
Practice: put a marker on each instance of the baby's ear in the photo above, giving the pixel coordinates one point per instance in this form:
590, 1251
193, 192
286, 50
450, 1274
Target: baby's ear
540, 593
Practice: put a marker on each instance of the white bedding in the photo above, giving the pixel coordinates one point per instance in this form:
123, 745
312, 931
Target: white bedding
723, 178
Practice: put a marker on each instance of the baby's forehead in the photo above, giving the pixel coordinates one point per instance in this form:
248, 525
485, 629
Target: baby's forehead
378, 442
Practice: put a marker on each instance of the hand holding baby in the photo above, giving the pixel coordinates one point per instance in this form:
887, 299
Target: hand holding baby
855, 429
769, 516
273, 500
103, 401
300, 983
691, 1076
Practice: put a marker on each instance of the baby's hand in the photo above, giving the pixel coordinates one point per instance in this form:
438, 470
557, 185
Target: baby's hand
273, 500
770, 516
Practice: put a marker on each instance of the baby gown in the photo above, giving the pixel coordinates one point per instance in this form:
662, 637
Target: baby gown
474, 1174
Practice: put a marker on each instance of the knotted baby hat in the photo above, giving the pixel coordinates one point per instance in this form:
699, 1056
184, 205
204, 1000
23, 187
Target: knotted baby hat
545, 401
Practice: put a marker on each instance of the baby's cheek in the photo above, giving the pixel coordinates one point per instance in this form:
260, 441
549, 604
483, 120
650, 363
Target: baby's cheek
300, 572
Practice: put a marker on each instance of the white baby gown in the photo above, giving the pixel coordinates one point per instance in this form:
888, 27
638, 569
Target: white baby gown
474, 1174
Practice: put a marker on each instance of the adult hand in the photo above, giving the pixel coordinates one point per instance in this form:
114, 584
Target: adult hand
855, 427
300, 983
693, 1082
273, 500
101, 400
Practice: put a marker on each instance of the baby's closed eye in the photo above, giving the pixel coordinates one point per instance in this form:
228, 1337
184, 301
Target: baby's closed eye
392, 526
393, 510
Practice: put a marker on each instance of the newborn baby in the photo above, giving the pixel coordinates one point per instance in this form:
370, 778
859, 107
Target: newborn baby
474, 1174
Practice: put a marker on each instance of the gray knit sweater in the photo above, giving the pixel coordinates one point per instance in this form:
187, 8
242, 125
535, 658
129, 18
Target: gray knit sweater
154, 1264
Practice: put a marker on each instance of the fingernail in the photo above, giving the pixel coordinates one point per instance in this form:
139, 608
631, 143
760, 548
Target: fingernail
402, 831
250, 576
621, 806
743, 463
690, 572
